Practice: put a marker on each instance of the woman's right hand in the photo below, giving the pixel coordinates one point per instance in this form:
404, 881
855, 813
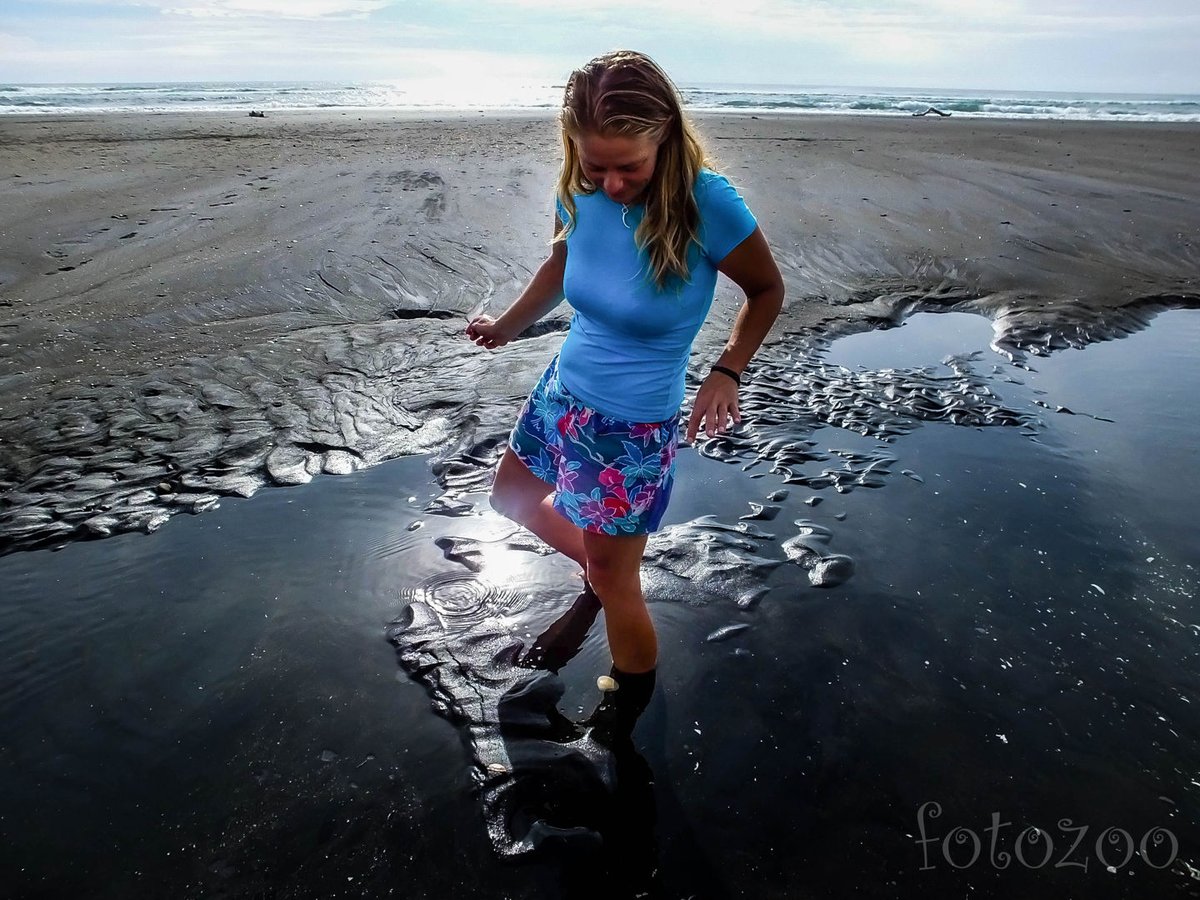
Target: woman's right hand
486, 332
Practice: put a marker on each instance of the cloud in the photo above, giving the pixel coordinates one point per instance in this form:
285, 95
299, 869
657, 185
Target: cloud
243, 9
278, 9
1075, 44
820, 19
16, 43
862, 41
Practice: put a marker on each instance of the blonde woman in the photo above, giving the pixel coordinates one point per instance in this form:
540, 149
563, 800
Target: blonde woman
642, 227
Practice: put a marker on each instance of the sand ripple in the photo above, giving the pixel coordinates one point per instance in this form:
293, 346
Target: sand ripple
129, 453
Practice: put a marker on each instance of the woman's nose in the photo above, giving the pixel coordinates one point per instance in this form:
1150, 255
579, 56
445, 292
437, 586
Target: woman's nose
613, 184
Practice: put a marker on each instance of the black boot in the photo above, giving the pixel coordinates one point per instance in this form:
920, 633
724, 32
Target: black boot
612, 722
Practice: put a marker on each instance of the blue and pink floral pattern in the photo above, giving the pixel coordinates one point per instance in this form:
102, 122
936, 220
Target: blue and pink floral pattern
610, 476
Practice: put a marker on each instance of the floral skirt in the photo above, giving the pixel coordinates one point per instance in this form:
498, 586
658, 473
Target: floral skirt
610, 476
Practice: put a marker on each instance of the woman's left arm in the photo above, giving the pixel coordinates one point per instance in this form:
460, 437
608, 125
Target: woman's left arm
751, 267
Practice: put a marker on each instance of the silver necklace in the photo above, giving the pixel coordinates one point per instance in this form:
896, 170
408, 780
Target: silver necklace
624, 213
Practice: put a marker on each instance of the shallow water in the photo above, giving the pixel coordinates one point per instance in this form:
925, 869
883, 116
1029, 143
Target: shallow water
213, 710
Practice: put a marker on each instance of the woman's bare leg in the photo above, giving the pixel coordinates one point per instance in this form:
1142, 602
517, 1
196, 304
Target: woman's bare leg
612, 563
614, 568
520, 495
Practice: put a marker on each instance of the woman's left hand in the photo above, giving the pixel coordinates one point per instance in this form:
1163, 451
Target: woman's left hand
715, 407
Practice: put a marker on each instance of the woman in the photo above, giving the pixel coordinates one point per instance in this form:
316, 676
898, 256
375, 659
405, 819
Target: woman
641, 230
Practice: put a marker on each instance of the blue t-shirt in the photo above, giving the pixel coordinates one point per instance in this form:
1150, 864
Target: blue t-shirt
626, 352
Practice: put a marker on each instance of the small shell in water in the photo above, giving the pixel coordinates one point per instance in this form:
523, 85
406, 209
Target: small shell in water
607, 683
726, 631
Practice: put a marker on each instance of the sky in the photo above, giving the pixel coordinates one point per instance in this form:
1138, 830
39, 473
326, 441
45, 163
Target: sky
1131, 46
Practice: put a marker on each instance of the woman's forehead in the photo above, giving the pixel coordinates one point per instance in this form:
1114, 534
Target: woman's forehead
613, 150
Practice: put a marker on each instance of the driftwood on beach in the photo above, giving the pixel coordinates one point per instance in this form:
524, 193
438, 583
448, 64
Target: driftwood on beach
934, 110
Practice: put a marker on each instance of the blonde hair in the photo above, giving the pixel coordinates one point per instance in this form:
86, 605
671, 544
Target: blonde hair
625, 93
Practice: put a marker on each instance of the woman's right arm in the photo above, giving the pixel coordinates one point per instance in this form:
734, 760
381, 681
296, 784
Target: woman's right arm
542, 294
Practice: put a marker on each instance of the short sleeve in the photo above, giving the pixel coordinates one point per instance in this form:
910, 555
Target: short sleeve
561, 211
725, 220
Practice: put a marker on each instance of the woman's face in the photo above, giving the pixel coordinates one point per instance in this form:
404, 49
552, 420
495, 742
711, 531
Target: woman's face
619, 165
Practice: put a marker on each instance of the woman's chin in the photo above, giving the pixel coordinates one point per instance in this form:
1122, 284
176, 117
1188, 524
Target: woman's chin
625, 199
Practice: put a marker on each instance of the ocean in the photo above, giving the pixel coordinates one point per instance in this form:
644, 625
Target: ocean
17, 99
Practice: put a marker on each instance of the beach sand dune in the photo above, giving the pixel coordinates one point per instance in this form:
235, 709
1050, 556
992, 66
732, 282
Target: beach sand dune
200, 305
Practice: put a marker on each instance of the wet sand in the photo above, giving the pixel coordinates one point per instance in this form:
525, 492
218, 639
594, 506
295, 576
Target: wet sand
213, 711
195, 306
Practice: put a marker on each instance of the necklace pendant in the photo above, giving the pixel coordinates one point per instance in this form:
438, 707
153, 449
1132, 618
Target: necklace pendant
624, 213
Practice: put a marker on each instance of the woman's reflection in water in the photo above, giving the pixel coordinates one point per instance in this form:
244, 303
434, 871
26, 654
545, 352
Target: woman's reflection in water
582, 790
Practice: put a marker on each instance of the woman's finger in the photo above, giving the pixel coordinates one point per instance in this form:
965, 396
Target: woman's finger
693, 423
713, 420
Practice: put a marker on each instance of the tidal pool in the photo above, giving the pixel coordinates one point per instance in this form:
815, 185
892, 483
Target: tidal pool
1007, 673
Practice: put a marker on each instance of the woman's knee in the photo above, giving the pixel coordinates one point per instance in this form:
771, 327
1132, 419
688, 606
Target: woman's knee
509, 502
515, 490
611, 585
614, 575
